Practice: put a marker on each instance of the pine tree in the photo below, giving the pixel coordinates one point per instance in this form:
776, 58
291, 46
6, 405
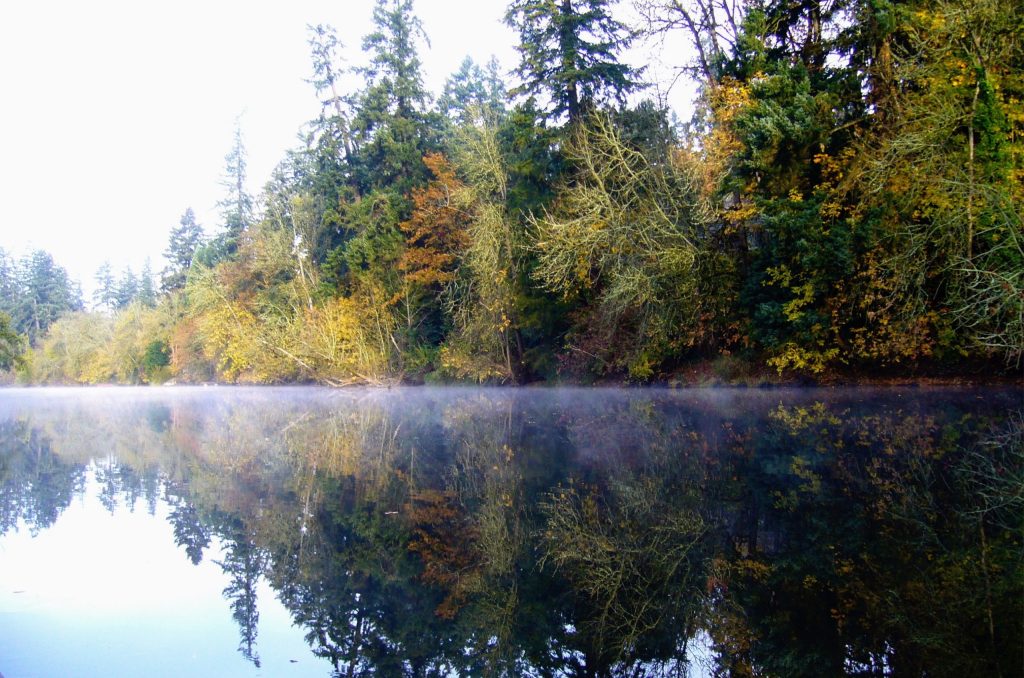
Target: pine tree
147, 288
127, 288
334, 120
10, 343
472, 92
47, 293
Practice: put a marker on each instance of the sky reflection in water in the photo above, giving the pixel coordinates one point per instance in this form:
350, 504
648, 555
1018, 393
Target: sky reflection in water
298, 531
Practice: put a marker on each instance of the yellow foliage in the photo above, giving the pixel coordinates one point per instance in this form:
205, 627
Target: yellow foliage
74, 351
800, 359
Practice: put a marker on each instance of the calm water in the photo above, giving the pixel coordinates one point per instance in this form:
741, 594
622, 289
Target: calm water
310, 532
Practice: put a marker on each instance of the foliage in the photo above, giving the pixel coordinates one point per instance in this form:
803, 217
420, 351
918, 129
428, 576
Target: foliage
182, 244
569, 51
36, 291
10, 344
846, 197
485, 344
435, 238
74, 351
237, 205
472, 93
624, 235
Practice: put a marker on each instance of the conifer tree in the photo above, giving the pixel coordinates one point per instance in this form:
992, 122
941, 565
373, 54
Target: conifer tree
147, 289
390, 125
105, 294
473, 91
182, 244
237, 205
569, 51
47, 293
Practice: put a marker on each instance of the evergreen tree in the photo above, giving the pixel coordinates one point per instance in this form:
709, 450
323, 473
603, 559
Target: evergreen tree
147, 288
9, 292
391, 125
472, 92
237, 205
324, 169
182, 244
10, 343
334, 120
105, 294
46, 293
569, 51
127, 288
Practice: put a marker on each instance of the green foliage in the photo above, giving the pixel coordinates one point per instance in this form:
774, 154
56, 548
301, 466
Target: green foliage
846, 197
485, 344
11, 344
237, 205
391, 127
569, 52
472, 93
624, 236
156, 359
182, 244
36, 292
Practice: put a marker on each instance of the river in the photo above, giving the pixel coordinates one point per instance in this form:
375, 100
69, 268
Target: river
302, 531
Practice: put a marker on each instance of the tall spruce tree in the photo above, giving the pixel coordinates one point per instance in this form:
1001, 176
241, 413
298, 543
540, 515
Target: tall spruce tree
324, 169
105, 294
10, 343
333, 122
569, 51
127, 288
147, 288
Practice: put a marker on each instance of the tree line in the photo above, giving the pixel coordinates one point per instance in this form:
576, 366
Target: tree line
847, 197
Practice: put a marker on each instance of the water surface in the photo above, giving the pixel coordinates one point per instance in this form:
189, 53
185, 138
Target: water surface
306, 531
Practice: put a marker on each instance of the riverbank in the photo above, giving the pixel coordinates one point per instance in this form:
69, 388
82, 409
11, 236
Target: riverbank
731, 371
724, 371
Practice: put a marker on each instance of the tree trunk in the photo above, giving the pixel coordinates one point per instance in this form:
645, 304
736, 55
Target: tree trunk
566, 40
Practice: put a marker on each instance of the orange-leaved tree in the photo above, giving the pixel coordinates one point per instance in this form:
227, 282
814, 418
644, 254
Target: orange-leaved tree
436, 236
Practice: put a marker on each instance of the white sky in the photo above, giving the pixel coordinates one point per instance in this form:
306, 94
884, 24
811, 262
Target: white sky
115, 115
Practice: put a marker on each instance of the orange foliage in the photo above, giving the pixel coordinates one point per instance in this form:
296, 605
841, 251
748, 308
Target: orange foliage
436, 231
187, 360
444, 540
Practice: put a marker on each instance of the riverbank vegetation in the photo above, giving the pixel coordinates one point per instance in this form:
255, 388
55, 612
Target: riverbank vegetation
846, 199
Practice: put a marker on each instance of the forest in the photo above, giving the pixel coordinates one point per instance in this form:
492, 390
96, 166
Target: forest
848, 199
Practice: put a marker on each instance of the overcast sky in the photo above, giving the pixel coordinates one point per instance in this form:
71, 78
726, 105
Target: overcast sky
116, 115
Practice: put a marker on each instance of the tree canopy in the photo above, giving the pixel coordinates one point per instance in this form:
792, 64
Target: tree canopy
845, 201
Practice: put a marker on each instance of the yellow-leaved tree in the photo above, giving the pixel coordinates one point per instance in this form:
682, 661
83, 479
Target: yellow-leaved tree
622, 237
481, 299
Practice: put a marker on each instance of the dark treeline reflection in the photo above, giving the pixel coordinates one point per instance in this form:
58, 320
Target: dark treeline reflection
573, 532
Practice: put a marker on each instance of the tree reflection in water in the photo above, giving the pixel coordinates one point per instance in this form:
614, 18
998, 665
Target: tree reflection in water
572, 532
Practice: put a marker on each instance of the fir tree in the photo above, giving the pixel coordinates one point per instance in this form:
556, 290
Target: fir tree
569, 51
182, 244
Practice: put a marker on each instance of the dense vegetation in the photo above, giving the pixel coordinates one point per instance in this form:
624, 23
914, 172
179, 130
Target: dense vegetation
847, 197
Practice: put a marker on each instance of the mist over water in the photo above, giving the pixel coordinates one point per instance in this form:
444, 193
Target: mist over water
464, 531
